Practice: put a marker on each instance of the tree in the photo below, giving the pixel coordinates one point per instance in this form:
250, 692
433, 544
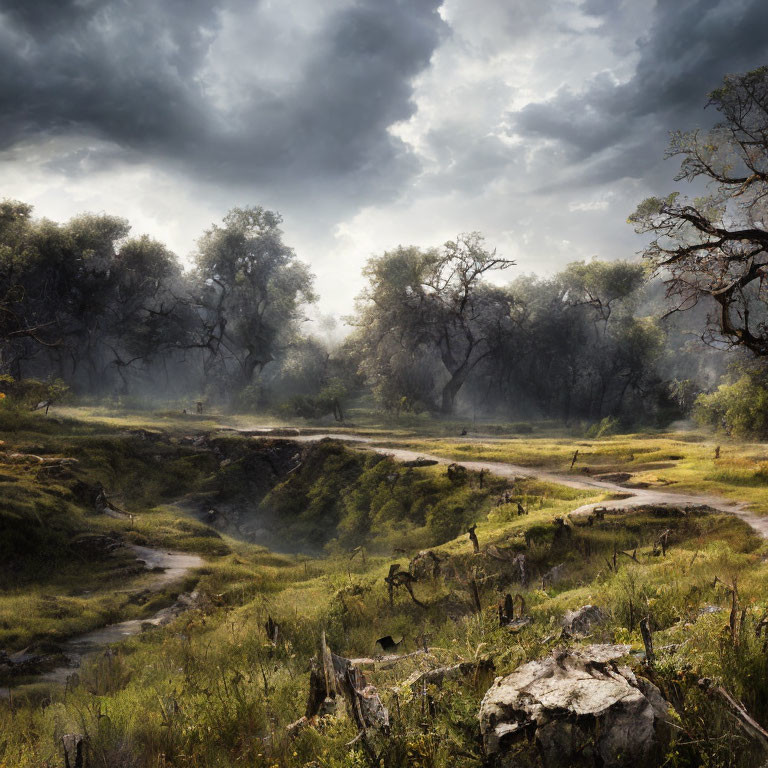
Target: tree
250, 293
739, 406
434, 302
573, 347
83, 302
55, 280
16, 322
715, 245
149, 317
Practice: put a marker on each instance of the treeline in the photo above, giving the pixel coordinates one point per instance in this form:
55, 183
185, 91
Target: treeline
86, 304
434, 330
107, 313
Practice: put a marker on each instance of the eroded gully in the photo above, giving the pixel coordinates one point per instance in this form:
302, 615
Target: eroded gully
631, 497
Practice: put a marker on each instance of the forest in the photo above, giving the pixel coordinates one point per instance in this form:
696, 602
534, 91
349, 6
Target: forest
90, 313
487, 519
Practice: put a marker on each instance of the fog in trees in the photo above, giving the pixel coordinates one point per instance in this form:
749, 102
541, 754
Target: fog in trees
451, 330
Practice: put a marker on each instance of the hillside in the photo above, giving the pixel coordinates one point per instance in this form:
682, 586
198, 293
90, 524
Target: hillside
227, 678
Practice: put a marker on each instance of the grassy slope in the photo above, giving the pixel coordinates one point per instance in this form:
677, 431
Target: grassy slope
681, 461
673, 461
211, 691
54, 584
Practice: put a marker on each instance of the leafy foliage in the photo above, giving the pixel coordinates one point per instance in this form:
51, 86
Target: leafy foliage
738, 407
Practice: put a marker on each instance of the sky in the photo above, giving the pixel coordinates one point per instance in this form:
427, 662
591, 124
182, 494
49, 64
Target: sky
366, 123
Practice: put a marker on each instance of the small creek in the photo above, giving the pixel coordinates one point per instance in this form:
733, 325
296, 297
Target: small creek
176, 566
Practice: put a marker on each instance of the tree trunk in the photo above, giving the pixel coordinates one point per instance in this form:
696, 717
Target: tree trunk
248, 367
451, 389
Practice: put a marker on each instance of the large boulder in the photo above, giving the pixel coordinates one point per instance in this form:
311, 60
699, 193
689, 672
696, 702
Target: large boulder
582, 709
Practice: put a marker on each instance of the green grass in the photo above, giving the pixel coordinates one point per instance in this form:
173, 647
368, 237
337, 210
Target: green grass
682, 462
210, 690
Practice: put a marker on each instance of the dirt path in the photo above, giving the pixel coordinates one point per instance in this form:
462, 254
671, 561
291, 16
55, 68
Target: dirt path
634, 497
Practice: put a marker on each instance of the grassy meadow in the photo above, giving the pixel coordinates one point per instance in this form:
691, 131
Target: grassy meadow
212, 689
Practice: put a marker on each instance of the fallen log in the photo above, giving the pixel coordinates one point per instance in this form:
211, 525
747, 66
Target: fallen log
386, 661
419, 680
747, 723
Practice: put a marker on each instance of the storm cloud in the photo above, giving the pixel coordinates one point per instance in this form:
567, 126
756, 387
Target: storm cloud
164, 80
614, 129
367, 123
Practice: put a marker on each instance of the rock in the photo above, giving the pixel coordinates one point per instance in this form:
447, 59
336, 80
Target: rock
425, 565
553, 576
24, 663
90, 545
614, 477
517, 624
74, 748
420, 462
580, 622
582, 708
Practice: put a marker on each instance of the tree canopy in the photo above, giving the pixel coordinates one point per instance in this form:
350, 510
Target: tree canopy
433, 302
715, 245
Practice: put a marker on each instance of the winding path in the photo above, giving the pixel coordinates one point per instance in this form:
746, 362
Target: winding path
633, 497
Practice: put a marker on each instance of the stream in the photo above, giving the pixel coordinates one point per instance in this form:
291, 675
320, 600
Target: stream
176, 566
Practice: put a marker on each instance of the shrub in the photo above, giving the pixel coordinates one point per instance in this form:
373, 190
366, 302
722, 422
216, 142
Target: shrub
328, 400
739, 407
604, 428
27, 393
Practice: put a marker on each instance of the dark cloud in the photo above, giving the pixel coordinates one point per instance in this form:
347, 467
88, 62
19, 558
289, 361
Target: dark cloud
133, 73
614, 130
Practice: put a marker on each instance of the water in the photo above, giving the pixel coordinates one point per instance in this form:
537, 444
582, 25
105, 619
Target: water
175, 565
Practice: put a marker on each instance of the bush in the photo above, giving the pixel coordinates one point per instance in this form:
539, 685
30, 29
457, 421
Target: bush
27, 393
738, 407
604, 428
328, 400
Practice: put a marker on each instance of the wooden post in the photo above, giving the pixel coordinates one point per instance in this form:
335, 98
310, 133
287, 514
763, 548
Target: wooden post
473, 538
645, 631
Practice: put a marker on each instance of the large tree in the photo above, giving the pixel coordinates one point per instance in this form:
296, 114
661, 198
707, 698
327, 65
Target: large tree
716, 245
434, 302
251, 292
56, 280
82, 301
575, 347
